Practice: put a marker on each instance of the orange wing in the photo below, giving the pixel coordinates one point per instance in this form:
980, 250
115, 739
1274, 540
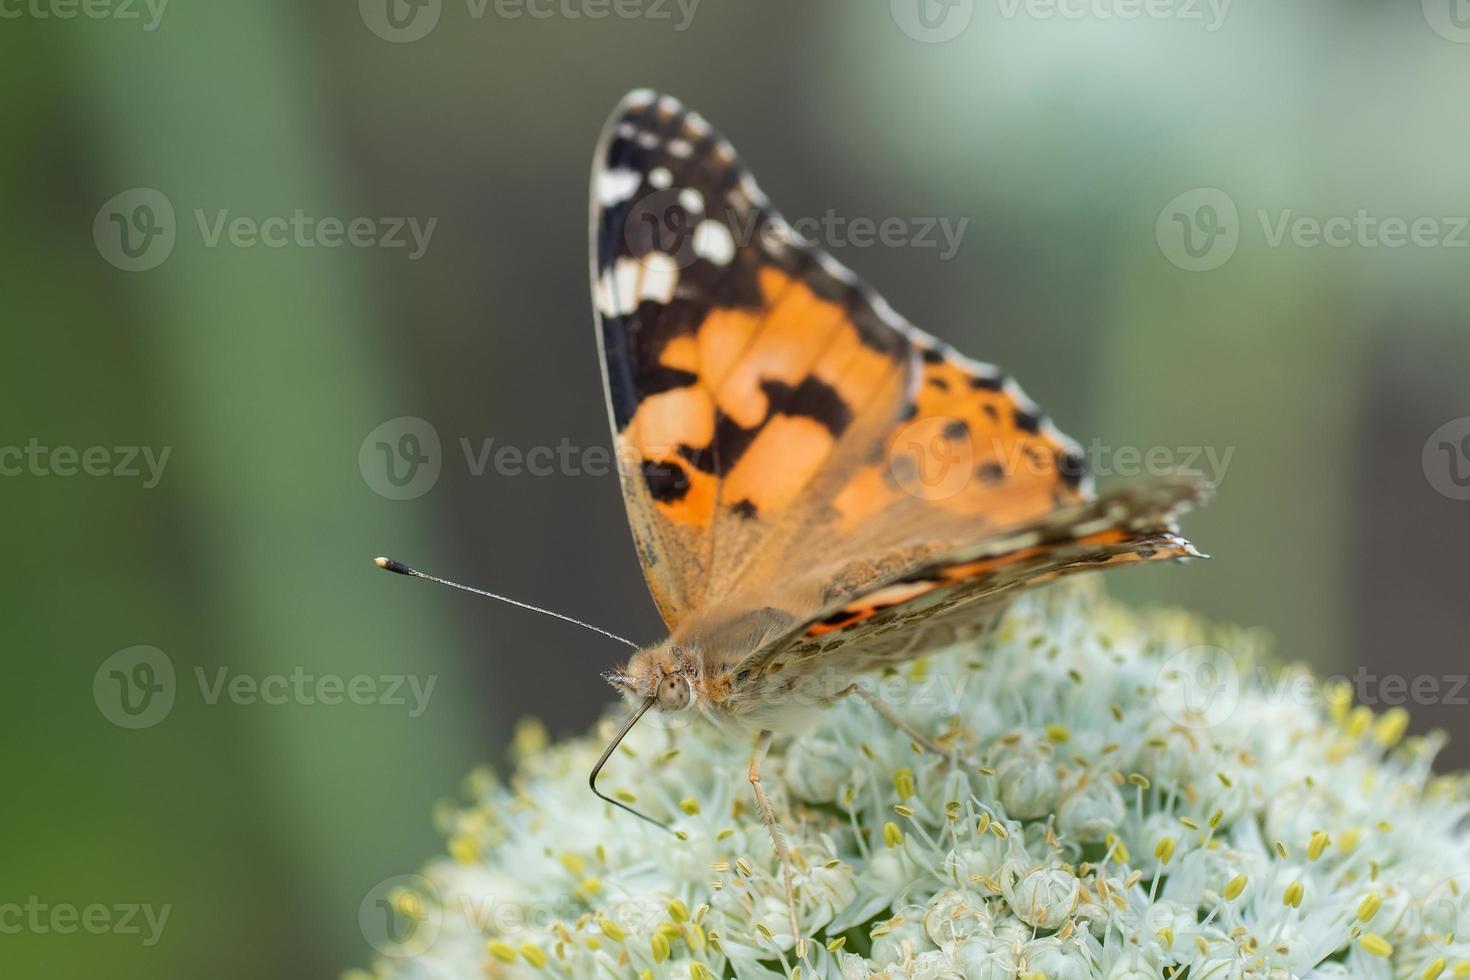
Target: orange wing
774, 418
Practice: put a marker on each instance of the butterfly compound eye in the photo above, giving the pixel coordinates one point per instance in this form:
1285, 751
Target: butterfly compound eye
673, 693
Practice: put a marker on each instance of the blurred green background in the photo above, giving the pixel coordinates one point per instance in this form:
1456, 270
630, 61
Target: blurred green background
1320, 375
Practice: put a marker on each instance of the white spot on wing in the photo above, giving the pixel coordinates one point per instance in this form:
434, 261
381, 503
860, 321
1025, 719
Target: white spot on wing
660, 276
713, 242
660, 177
616, 186
691, 200
680, 148
621, 288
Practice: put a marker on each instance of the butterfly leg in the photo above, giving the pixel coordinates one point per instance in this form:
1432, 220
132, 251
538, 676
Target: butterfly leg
762, 746
893, 719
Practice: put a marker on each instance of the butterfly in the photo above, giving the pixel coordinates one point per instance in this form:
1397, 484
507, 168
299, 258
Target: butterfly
816, 488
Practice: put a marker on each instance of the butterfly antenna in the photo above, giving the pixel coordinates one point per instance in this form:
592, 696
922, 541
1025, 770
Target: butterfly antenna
389, 564
607, 754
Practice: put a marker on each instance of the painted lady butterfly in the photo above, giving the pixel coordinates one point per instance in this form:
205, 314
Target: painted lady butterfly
816, 488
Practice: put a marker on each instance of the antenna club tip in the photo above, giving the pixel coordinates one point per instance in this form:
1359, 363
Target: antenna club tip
388, 564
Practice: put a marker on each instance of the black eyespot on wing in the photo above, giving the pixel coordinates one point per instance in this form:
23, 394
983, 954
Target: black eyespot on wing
1028, 421
813, 399
667, 482
745, 509
955, 429
990, 472
994, 382
1072, 466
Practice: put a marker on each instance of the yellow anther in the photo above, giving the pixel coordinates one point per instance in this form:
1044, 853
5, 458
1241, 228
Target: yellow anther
611, 929
659, 945
504, 952
464, 849
1317, 845
903, 783
1358, 721
892, 836
1164, 850
1119, 849
409, 904
1165, 936
689, 805
678, 911
1434, 969
1390, 727
833, 945
1139, 779
1058, 733
1376, 944
903, 811
1368, 907
1339, 697
1293, 895
1234, 887
530, 737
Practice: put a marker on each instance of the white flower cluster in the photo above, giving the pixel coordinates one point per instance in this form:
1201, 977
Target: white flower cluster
1128, 796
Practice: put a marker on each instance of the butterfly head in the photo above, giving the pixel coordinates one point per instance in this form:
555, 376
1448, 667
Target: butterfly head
661, 675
